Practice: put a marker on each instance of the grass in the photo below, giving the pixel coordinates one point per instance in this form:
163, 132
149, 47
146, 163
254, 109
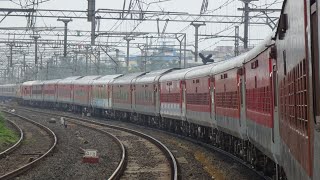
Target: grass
7, 136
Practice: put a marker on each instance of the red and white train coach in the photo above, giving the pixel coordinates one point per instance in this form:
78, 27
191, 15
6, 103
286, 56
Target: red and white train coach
172, 99
263, 106
82, 90
9, 91
65, 91
101, 93
147, 94
198, 88
122, 94
261, 99
50, 92
26, 89
297, 44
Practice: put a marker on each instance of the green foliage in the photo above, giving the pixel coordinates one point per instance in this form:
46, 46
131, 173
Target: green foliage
7, 136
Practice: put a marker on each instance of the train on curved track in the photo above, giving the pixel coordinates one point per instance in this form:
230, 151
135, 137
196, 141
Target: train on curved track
262, 106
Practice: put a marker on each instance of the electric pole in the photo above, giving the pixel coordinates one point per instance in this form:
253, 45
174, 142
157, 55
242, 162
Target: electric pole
196, 26
65, 21
128, 39
87, 52
36, 37
92, 18
247, 18
236, 41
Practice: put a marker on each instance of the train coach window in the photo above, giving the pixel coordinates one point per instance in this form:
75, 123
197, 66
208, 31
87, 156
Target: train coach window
283, 26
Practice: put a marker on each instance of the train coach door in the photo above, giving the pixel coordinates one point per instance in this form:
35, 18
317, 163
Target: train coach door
275, 94
315, 61
242, 98
212, 112
183, 99
315, 19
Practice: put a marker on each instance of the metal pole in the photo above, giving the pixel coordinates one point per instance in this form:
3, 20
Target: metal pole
185, 51
117, 59
128, 39
11, 74
11, 47
236, 41
5, 76
87, 51
180, 50
24, 64
47, 77
8, 67
196, 26
98, 67
65, 39
36, 37
145, 55
128, 51
246, 23
92, 19
93, 30
41, 61
76, 63
65, 21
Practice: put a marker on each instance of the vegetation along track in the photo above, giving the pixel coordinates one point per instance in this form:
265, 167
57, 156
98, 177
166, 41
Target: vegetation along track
146, 157
37, 143
17, 144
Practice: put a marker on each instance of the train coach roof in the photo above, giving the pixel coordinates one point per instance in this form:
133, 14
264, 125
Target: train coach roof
69, 80
106, 79
178, 74
28, 83
8, 85
37, 83
265, 44
127, 79
229, 64
85, 80
153, 76
201, 72
53, 81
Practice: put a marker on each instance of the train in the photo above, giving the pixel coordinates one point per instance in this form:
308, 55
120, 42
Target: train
262, 106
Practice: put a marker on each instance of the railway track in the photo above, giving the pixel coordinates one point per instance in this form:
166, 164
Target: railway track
17, 144
143, 156
36, 142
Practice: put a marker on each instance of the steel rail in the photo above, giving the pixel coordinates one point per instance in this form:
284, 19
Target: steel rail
26, 167
17, 144
169, 155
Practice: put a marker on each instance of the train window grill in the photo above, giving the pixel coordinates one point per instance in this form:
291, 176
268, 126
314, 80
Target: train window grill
170, 98
198, 98
293, 99
259, 99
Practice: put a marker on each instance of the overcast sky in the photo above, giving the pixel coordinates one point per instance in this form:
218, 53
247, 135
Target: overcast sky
222, 7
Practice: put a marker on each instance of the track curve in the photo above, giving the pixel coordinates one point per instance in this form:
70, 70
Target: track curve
18, 171
120, 169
